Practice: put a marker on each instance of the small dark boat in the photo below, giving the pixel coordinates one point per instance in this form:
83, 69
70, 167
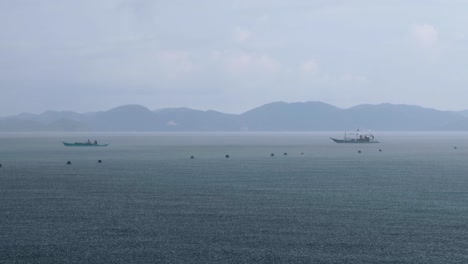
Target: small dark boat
356, 138
84, 144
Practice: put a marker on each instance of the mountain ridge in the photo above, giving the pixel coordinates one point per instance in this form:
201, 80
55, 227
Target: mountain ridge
275, 116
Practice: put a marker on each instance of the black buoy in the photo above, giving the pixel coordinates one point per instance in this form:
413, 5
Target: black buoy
0, 165
285, 153
99, 161
272, 155
454, 147
227, 156
359, 151
192, 157
68, 162
302, 153
380, 150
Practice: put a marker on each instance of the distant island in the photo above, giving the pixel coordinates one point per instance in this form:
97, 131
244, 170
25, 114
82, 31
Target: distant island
277, 116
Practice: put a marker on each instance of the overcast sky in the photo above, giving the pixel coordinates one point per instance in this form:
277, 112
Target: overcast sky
231, 55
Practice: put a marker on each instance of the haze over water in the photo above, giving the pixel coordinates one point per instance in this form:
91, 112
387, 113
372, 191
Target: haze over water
148, 202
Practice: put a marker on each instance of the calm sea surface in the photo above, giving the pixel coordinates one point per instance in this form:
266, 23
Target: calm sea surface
148, 202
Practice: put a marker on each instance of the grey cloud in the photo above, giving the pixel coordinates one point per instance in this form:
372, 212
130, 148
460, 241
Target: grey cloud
229, 55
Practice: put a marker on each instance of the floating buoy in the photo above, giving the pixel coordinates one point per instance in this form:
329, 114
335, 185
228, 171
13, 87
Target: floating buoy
285, 153
302, 153
272, 155
227, 156
380, 150
0, 165
359, 151
454, 147
99, 161
192, 157
68, 162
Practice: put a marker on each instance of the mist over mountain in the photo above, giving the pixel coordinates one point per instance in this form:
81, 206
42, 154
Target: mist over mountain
277, 116
186, 119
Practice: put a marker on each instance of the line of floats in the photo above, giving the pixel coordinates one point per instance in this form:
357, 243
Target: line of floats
227, 156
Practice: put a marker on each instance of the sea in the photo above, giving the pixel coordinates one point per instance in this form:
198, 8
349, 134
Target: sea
404, 200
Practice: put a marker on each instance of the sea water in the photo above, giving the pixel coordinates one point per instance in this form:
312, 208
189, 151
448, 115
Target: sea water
314, 201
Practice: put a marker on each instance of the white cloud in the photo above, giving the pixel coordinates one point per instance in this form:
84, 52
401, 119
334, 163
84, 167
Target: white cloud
425, 36
242, 36
309, 67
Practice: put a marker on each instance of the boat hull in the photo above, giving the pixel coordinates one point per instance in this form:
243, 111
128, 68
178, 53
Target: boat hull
356, 141
83, 145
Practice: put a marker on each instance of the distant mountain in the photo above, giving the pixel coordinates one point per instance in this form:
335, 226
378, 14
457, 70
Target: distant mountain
48, 116
278, 116
463, 112
282, 116
123, 118
15, 125
400, 117
67, 125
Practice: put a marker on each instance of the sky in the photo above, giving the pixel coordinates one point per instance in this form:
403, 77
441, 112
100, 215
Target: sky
231, 55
